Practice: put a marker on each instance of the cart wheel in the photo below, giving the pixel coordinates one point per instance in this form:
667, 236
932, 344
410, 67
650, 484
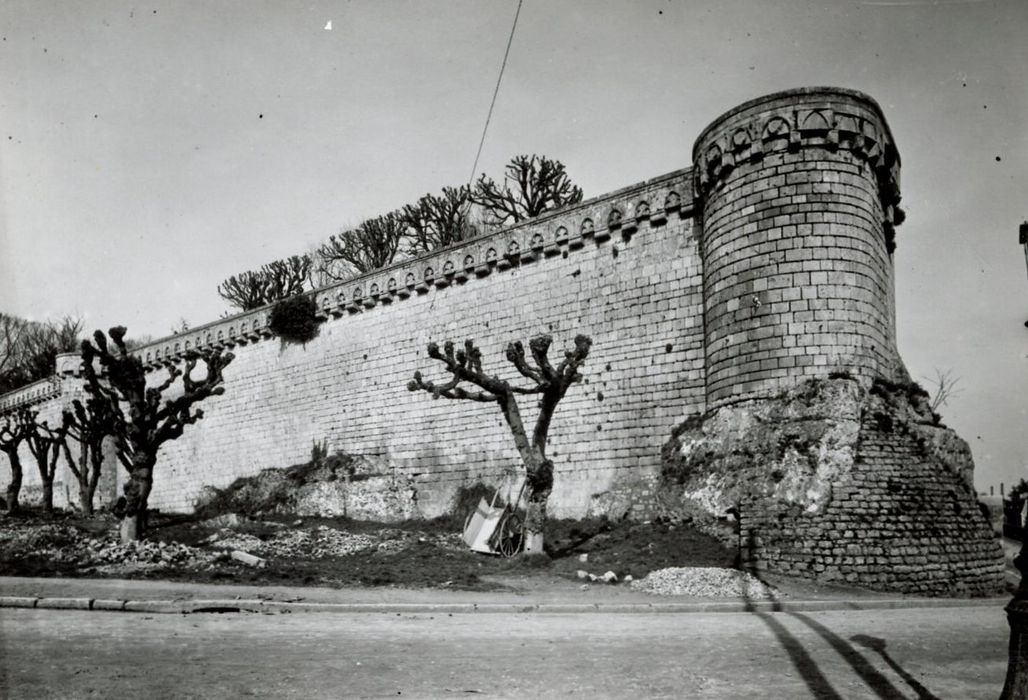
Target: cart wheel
509, 541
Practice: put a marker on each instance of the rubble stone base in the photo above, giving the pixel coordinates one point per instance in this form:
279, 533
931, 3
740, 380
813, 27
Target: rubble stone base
841, 483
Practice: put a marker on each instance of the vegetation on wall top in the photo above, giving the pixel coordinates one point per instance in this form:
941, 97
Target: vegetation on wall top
295, 319
531, 186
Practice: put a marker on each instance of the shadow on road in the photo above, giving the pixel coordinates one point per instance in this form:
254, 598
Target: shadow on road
807, 668
805, 665
877, 644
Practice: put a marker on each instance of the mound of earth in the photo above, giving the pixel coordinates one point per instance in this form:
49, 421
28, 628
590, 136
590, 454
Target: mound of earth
340, 552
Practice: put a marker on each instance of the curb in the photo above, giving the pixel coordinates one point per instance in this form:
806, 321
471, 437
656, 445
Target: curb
232, 605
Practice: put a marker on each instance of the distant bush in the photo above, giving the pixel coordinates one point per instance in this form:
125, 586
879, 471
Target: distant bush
295, 319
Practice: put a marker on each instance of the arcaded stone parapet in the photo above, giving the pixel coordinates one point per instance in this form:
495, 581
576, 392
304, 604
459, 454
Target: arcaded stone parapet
799, 194
38, 392
597, 220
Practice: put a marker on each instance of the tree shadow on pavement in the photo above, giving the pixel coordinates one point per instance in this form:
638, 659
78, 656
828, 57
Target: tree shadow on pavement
877, 644
808, 669
805, 665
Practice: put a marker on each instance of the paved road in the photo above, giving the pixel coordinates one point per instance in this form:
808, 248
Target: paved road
923, 653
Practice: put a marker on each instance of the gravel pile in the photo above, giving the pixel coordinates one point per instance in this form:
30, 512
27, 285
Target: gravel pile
44, 539
144, 553
65, 544
323, 542
705, 582
319, 543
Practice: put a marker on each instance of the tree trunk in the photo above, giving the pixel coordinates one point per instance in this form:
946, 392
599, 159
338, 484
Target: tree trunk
90, 467
14, 488
85, 499
539, 480
535, 521
538, 475
48, 497
137, 493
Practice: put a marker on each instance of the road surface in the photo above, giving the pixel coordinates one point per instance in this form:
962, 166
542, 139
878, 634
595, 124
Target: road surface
921, 653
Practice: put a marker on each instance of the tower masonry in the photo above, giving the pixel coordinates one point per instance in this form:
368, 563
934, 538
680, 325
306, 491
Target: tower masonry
797, 193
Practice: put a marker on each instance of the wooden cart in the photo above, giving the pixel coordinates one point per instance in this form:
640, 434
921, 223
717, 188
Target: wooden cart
495, 530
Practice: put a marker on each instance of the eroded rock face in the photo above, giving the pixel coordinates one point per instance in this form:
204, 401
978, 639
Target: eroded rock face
839, 483
788, 449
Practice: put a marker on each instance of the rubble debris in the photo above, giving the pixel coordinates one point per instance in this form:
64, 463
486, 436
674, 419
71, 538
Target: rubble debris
705, 582
248, 559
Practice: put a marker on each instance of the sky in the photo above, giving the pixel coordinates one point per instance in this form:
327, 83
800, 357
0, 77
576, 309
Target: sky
150, 150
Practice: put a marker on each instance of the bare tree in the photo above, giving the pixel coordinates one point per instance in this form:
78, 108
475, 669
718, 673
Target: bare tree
945, 388
531, 185
12, 330
245, 291
549, 382
30, 349
45, 445
373, 244
13, 431
87, 424
437, 221
148, 420
274, 281
43, 342
290, 276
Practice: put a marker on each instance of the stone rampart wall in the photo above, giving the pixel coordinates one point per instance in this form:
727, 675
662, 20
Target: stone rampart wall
764, 264
623, 269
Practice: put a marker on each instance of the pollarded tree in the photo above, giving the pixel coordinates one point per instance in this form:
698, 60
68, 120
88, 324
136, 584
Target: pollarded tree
437, 221
244, 291
549, 382
87, 424
531, 185
143, 419
13, 431
45, 445
274, 281
373, 244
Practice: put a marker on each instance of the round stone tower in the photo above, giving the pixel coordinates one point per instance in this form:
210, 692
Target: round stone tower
798, 194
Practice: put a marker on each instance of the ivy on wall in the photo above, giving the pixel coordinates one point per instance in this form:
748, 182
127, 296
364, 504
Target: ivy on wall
294, 319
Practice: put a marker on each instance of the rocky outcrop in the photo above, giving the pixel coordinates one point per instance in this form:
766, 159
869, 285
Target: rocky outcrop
840, 483
363, 487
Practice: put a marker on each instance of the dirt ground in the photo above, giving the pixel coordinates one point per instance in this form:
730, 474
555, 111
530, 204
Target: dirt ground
338, 552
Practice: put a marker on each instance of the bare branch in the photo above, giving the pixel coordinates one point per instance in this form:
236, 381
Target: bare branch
28, 349
373, 244
531, 186
438, 221
274, 281
945, 388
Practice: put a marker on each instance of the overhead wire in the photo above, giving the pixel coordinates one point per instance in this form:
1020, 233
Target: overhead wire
496, 91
